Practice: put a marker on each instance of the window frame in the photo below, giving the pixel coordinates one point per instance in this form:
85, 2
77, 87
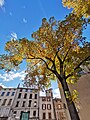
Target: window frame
10, 101
25, 96
49, 106
43, 98
35, 103
4, 102
34, 113
30, 101
35, 96
49, 115
19, 95
43, 106
2, 94
44, 115
23, 105
17, 104
13, 93
8, 93
30, 97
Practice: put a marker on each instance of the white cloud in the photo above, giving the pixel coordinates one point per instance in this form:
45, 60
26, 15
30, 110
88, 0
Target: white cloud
42, 93
56, 93
13, 75
14, 35
1, 3
24, 20
3, 85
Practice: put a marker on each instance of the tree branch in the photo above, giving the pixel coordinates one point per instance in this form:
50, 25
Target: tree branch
78, 66
56, 54
53, 62
43, 61
66, 54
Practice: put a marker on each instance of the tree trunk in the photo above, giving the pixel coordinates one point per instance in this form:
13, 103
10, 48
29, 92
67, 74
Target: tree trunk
71, 106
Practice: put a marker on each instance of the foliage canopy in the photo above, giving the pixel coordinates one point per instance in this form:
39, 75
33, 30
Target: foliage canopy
57, 51
80, 7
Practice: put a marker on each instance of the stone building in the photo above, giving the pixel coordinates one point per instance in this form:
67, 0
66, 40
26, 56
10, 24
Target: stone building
59, 107
26, 100
14, 103
27, 104
7, 96
46, 106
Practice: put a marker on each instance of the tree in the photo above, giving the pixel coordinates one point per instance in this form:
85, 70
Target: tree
80, 7
56, 52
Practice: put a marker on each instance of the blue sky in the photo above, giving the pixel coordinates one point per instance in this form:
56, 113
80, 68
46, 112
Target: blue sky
20, 18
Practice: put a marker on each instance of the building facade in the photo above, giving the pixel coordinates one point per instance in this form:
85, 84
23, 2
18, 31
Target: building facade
15, 102
27, 104
6, 102
59, 107
46, 106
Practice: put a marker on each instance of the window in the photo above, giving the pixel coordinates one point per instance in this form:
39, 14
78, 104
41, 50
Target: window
19, 96
9, 101
35, 104
2, 93
49, 115
29, 113
34, 113
30, 96
13, 93
23, 105
25, 96
43, 106
30, 90
7, 93
20, 90
49, 106
62, 116
59, 106
29, 103
43, 99
26, 90
4, 101
35, 96
48, 99
17, 104
15, 112
44, 115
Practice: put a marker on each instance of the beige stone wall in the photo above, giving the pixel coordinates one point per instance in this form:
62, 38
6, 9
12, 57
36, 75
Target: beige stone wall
83, 87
